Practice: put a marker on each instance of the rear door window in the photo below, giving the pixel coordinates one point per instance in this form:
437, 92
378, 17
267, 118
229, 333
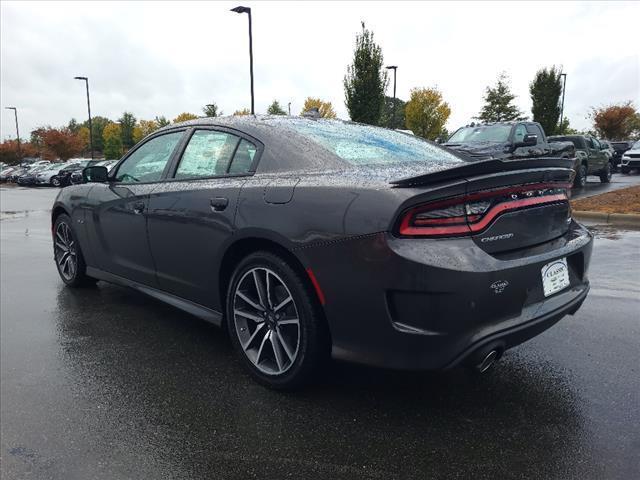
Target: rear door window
243, 158
208, 154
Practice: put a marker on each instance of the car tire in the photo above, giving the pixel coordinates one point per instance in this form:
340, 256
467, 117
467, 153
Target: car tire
68, 255
581, 176
625, 170
275, 322
55, 181
605, 175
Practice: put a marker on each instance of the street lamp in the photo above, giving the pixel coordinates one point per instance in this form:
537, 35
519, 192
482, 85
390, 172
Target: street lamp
15, 113
247, 10
289, 107
564, 84
86, 81
394, 68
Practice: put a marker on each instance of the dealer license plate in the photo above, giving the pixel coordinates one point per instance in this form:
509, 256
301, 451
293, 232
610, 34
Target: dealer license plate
555, 276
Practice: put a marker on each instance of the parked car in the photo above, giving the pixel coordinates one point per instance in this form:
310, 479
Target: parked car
592, 160
309, 237
76, 176
16, 173
507, 140
63, 177
30, 177
44, 177
631, 158
619, 148
5, 175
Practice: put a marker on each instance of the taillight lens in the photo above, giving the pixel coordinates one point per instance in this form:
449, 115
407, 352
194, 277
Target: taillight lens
472, 213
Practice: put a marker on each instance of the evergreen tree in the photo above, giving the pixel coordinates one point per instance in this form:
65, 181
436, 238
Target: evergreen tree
211, 110
162, 121
545, 90
365, 81
499, 106
275, 109
127, 124
386, 119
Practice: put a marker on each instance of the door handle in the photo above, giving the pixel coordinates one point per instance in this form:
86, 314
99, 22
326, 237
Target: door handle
218, 204
138, 208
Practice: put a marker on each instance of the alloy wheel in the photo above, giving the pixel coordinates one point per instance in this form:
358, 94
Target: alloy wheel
65, 251
266, 321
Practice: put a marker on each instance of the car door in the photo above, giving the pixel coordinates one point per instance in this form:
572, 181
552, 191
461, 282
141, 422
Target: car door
597, 157
192, 215
118, 220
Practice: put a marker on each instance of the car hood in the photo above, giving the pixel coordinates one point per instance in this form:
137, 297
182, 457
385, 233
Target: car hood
480, 149
635, 151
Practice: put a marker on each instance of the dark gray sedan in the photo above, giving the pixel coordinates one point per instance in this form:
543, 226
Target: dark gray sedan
306, 238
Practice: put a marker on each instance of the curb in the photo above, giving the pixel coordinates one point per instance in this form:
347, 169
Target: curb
623, 219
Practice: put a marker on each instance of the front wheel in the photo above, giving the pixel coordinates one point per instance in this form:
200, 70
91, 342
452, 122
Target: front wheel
275, 322
581, 177
605, 174
55, 181
625, 170
68, 255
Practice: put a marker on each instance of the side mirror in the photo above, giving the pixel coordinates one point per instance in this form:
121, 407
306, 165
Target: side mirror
529, 140
95, 174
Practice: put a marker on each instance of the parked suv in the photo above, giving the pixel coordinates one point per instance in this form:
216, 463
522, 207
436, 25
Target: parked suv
591, 158
631, 158
618, 150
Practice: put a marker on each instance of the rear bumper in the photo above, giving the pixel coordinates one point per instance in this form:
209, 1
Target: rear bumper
428, 304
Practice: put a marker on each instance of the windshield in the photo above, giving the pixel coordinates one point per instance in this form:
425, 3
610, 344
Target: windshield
366, 145
481, 133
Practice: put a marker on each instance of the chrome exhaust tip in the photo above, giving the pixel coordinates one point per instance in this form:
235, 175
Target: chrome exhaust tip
488, 361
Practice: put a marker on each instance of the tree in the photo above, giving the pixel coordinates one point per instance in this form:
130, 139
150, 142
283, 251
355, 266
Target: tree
137, 134
112, 137
11, 155
73, 125
386, 119
499, 105
275, 109
183, 117
244, 111
565, 128
325, 108
127, 124
211, 110
426, 113
83, 133
545, 90
97, 124
61, 143
616, 121
147, 127
162, 121
365, 81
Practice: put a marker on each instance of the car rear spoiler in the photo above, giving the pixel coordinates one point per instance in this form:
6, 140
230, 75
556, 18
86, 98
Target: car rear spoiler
482, 168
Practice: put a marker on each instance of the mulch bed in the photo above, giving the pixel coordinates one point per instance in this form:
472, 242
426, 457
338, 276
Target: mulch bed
626, 200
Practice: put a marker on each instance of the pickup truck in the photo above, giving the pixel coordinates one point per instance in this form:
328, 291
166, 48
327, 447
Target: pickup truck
508, 140
591, 156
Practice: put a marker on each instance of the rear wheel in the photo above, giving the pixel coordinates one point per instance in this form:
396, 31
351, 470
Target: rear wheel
275, 322
55, 181
68, 255
581, 176
605, 175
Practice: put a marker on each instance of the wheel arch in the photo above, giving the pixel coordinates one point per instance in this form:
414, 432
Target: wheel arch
250, 243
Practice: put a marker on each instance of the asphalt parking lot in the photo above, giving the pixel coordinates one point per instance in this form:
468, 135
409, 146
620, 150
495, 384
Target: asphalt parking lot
106, 383
618, 181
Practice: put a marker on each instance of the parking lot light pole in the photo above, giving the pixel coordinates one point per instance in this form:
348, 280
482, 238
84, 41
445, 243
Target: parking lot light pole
247, 10
564, 84
394, 68
86, 81
15, 114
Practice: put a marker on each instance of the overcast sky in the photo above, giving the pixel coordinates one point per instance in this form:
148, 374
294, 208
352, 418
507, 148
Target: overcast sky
163, 58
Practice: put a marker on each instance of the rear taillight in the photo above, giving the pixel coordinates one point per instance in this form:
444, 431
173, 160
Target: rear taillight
472, 213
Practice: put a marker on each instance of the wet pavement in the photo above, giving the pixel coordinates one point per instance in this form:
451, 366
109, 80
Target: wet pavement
106, 383
595, 187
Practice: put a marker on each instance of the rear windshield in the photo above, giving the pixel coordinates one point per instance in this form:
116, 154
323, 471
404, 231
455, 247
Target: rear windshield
366, 145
